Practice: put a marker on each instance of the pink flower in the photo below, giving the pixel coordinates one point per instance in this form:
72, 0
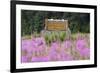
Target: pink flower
38, 44
53, 55
39, 41
55, 46
80, 44
65, 57
27, 45
67, 44
24, 59
85, 52
40, 59
81, 47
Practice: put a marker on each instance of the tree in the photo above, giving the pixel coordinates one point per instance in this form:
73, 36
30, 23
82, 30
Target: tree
32, 20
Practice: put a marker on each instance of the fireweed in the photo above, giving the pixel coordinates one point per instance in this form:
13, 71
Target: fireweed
82, 49
35, 49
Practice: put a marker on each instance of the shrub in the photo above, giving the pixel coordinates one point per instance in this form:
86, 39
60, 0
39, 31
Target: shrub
62, 36
46, 38
36, 34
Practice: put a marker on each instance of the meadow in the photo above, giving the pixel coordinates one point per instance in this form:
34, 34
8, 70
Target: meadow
38, 46
55, 46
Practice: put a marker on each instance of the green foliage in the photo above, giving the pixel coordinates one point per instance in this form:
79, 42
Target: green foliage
38, 22
55, 36
36, 34
48, 39
62, 35
33, 21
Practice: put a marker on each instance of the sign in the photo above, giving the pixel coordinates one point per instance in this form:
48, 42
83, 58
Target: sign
51, 24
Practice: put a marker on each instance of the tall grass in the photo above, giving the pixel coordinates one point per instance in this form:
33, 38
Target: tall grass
62, 36
55, 36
